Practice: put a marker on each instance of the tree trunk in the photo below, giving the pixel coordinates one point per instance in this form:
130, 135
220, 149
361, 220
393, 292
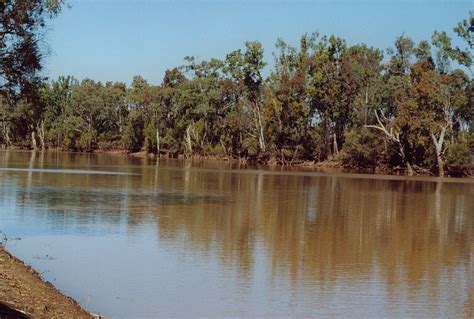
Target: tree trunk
261, 137
336, 149
40, 129
259, 126
188, 140
410, 171
6, 133
33, 140
438, 143
409, 168
440, 166
157, 142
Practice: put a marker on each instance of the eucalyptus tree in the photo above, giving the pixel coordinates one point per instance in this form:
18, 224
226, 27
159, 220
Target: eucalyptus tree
86, 109
21, 28
363, 67
447, 51
115, 100
237, 139
333, 90
56, 99
287, 102
425, 104
391, 116
132, 135
21, 25
246, 69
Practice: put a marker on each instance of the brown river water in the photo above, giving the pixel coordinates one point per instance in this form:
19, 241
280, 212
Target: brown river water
135, 238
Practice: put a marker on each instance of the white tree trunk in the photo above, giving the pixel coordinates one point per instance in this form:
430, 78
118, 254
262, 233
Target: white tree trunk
33, 140
438, 143
189, 142
40, 129
336, 149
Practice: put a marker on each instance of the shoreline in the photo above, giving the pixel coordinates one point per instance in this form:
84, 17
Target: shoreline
24, 294
306, 166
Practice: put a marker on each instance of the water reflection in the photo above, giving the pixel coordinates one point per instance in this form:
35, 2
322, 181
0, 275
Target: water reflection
300, 245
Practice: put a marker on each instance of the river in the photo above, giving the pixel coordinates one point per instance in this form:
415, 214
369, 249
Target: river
136, 238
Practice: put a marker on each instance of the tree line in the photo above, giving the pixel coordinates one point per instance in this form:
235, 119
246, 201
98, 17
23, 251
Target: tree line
408, 108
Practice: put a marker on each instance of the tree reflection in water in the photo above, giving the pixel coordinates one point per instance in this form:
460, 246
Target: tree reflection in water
408, 237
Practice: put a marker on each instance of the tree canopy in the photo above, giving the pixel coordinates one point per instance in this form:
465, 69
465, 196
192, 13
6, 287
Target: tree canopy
21, 25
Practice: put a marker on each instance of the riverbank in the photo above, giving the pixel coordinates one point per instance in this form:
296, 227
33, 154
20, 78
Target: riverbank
329, 165
22, 290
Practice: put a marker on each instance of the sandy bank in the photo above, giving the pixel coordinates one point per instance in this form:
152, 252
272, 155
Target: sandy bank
22, 289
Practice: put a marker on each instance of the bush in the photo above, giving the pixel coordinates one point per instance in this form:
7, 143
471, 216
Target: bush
362, 149
87, 141
458, 159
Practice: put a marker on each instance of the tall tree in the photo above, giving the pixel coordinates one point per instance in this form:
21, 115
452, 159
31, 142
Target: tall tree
21, 26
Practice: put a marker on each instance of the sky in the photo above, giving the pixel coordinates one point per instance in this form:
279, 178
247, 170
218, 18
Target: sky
113, 40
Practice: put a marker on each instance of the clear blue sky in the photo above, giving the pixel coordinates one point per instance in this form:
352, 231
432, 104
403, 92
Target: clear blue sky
116, 39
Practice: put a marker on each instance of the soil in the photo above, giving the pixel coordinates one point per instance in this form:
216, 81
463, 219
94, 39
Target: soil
23, 294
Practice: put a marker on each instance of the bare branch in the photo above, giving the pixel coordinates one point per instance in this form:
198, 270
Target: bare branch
395, 136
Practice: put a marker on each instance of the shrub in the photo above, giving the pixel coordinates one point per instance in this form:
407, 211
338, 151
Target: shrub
458, 159
362, 149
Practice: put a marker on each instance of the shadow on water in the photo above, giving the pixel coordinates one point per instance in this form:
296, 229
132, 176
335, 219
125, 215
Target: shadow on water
105, 199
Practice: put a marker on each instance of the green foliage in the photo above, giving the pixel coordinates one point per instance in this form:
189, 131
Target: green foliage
22, 24
362, 149
458, 159
150, 137
87, 141
132, 137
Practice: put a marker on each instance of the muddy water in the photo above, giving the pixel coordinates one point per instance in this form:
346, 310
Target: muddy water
131, 238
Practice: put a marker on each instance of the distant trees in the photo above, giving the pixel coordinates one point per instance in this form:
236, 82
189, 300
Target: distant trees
410, 110
427, 108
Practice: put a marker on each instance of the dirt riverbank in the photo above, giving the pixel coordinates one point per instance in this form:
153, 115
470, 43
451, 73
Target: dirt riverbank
23, 290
